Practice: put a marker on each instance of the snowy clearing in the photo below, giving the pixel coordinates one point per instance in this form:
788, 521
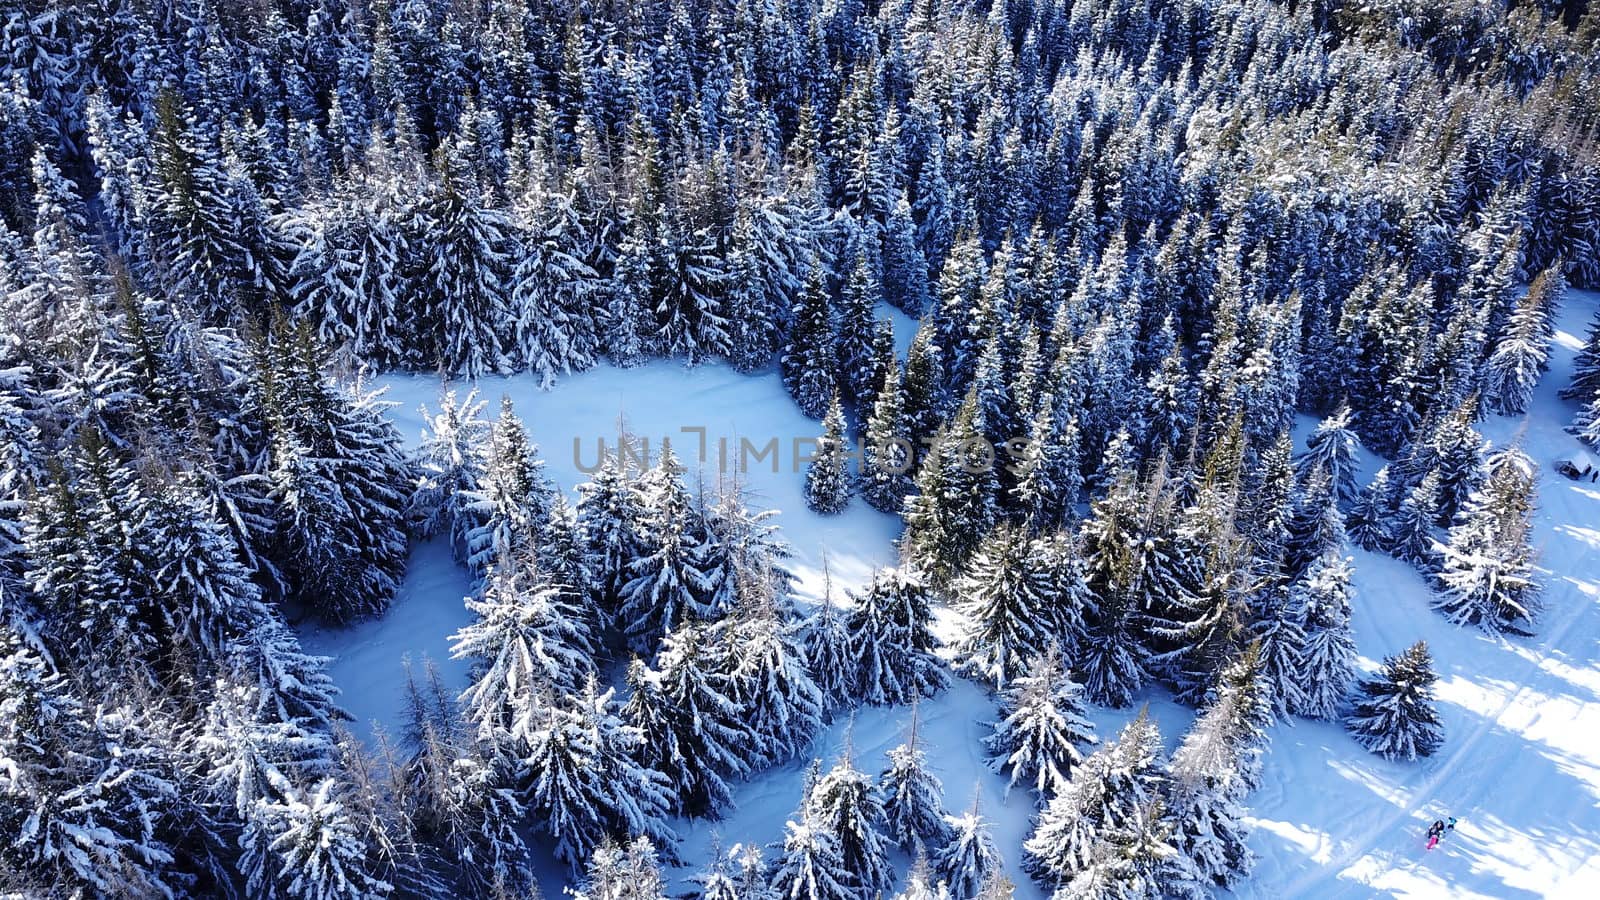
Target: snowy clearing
1330, 820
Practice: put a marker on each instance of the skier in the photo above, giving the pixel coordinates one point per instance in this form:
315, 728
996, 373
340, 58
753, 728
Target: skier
1435, 832
1450, 825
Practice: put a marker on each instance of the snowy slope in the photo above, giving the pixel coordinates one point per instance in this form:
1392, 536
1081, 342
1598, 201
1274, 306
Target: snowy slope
1521, 762
1331, 820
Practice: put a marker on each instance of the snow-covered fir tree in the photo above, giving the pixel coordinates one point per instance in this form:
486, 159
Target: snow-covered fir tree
828, 480
666, 585
511, 500
1009, 601
912, 796
450, 468
693, 728
1332, 449
891, 640
1108, 792
1393, 715
969, 859
1488, 576
845, 802
1043, 730
1328, 651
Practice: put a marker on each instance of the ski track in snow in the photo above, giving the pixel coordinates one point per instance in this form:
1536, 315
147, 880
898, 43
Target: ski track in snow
1519, 765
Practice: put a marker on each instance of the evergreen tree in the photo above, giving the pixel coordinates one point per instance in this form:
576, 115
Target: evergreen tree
1107, 793
450, 466
667, 586
630, 871
512, 500
887, 451
905, 269
1370, 518
780, 704
529, 638
693, 728
466, 271
1038, 739
1487, 578
892, 642
1328, 652
1008, 598
922, 882
808, 361
1393, 714
830, 654
845, 802
1523, 353
812, 864
828, 480
969, 859
1411, 534
912, 796
609, 519
1331, 449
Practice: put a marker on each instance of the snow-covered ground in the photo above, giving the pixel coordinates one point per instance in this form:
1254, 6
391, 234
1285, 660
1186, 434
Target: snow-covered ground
1520, 766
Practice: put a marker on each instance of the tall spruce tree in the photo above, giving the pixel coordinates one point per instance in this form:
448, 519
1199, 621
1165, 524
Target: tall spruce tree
1040, 737
1393, 714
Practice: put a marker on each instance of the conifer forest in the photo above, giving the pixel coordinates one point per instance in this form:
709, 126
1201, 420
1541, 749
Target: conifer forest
799, 449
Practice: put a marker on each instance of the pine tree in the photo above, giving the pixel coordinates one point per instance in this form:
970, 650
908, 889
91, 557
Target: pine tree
1523, 353
553, 292
828, 480
1008, 598
905, 269
1105, 794
1411, 534
845, 802
854, 335
450, 466
512, 500
579, 775
321, 853
1332, 449
1113, 661
693, 728
337, 476
1214, 769
888, 453
772, 685
922, 883
1038, 739
829, 653
1393, 714
892, 642
1487, 578
1051, 478
529, 638
812, 865
912, 796
1138, 861
809, 370
970, 858
667, 586
631, 871
1327, 655
466, 272
609, 519
1370, 518
1315, 526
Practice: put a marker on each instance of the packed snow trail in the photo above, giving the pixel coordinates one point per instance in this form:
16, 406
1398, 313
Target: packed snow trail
1519, 765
